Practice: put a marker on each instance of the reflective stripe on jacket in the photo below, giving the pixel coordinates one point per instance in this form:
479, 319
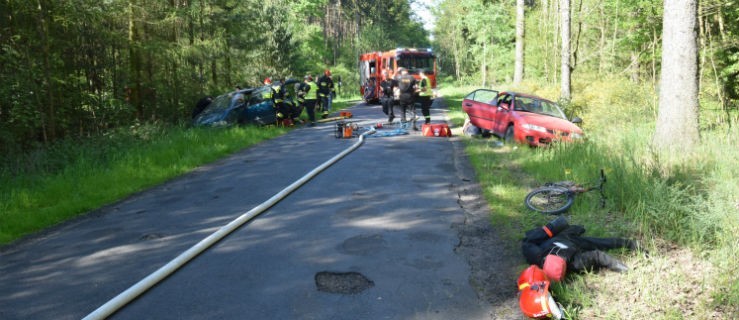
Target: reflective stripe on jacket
425, 87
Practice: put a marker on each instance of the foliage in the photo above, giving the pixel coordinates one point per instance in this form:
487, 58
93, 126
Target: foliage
78, 68
472, 34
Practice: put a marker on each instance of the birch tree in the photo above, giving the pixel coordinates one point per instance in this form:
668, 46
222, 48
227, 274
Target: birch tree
677, 119
564, 8
520, 31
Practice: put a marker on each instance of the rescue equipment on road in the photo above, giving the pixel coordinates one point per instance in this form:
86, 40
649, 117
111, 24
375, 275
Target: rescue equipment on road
345, 130
436, 130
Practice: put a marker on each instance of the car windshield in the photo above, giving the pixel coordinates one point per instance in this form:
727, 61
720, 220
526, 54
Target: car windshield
546, 108
219, 105
219, 108
551, 109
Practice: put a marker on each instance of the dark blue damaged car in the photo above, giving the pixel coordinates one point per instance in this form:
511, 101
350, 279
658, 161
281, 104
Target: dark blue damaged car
245, 106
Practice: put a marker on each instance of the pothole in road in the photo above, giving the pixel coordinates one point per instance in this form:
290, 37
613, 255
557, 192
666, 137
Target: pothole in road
342, 282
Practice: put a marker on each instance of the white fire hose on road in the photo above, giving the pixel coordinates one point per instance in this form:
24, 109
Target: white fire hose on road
160, 274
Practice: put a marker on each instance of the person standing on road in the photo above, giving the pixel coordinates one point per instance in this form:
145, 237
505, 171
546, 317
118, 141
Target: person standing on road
407, 85
325, 90
269, 94
308, 96
387, 86
424, 96
278, 100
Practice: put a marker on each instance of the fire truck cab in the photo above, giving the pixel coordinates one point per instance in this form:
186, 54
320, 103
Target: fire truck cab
414, 60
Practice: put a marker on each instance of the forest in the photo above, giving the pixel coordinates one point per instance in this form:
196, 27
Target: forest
77, 68
620, 39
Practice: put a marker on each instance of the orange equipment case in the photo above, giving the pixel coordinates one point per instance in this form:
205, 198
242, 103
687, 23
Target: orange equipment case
436, 130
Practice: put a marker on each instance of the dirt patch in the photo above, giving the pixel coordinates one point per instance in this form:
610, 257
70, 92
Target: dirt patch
494, 264
342, 282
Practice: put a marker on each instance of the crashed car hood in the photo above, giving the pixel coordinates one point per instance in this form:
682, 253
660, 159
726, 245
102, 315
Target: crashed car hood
550, 122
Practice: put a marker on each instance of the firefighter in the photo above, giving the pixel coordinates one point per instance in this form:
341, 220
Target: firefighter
278, 100
308, 96
294, 109
388, 85
268, 94
424, 96
325, 90
558, 246
407, 85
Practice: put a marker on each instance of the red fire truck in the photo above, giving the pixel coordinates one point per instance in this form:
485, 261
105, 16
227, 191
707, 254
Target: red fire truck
414, 60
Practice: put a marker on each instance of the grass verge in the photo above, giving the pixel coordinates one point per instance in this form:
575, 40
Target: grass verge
51, 185
684, 211
86, 178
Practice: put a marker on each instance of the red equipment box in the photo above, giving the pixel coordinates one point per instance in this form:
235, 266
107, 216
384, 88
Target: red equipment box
436, 130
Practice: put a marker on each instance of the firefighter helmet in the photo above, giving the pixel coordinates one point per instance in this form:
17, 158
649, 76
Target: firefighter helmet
267, 80
536, 302
532, 274
327, 72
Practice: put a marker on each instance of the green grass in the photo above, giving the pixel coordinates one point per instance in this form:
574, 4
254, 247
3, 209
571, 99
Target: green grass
47, 193
51, 185
685, 209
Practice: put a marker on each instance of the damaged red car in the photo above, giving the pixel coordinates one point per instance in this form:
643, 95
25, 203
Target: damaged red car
522, 118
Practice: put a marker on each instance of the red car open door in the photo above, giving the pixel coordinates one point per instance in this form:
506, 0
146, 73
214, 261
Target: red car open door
480, 106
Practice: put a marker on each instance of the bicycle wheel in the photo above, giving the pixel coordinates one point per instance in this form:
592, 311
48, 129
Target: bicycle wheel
550, 200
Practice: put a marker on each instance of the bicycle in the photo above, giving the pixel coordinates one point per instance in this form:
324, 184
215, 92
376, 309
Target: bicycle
556, 198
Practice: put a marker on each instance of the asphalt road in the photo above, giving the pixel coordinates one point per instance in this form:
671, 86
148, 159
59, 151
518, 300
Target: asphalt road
384, 234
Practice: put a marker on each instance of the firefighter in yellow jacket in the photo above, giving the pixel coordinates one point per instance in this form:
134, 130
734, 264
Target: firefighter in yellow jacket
308, 96
277, 96
424, 96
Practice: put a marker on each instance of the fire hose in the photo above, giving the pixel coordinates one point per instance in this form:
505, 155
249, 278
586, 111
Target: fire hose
168, 269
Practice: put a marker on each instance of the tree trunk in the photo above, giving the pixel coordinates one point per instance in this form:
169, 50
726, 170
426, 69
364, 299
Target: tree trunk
484, 66
520, 26
134, 93
634, 66
602, 39
573, 63
50, 113
565, 93
677, 126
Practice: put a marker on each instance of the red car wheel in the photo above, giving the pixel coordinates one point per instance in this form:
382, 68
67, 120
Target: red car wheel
509, 134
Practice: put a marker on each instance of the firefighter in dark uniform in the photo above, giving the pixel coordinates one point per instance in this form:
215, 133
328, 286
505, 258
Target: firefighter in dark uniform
294, 109
565, 244
278, 100
325, 91
387, 86
407, 85
308, 96
424, 96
